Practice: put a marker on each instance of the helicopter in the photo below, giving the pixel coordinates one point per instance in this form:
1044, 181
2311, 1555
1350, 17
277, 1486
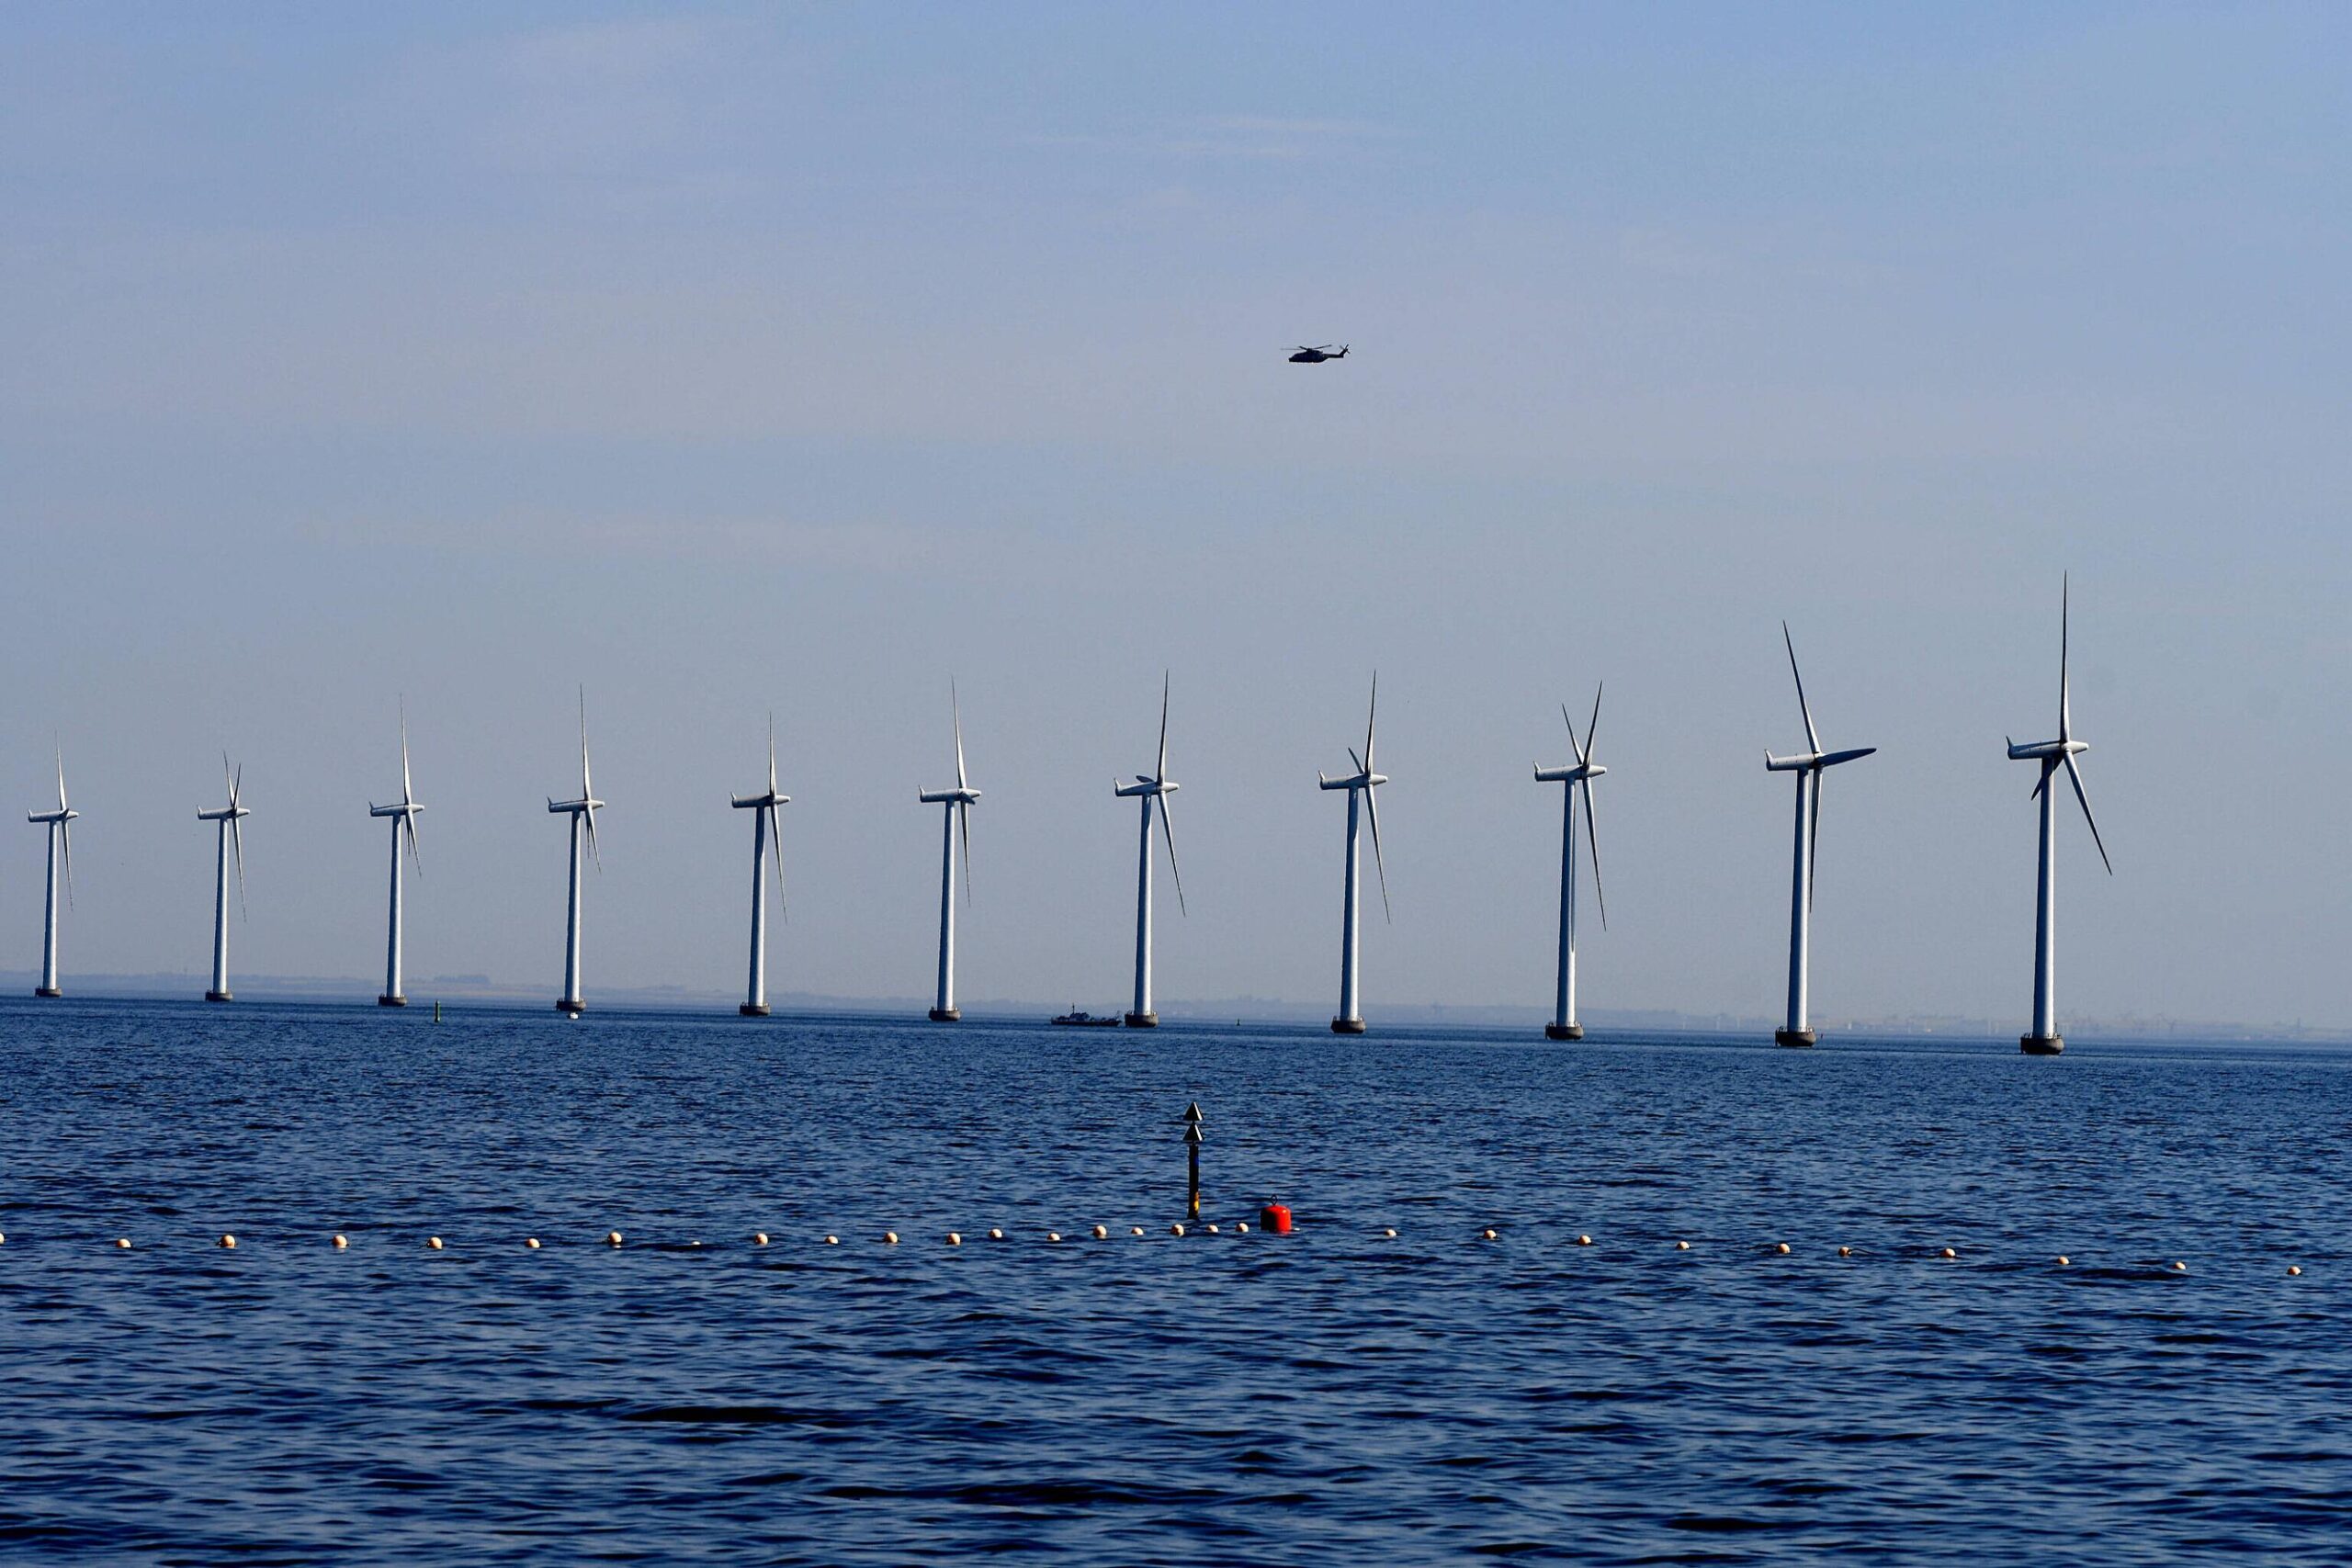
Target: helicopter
1307, 355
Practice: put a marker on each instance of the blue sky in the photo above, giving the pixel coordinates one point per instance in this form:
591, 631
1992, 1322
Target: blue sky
747, 358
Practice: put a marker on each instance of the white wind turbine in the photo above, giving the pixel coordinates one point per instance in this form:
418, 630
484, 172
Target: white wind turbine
2053, 755
230, 833
767, 827
61, 846
1578, 777
582, 813
1149, 787
1361, 803
1808, 768
958, 805
403, 816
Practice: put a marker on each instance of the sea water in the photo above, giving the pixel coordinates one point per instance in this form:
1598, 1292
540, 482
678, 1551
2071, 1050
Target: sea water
1335, 1395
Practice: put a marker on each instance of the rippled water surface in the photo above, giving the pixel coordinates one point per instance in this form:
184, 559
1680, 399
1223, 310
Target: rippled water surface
1331, 1396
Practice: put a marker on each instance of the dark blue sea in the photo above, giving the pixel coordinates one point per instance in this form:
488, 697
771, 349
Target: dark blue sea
1333, 1396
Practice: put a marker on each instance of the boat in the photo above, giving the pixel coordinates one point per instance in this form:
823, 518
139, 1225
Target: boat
1078, 1018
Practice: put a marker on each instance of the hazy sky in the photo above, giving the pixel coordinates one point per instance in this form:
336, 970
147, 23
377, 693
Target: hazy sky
798, 358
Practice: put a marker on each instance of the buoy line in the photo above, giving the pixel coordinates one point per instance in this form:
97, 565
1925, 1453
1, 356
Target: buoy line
227, 1241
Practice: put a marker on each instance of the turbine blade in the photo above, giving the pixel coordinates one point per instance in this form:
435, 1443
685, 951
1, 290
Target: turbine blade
1574, 745
593, 850
1168, 830
964, 821
1162, 772
1812, 843
61, 779
585, 792
237, 838
1591, 724
1357, 760
407, 793
65, 841
2074, 777
1371, 807
1371, 720
2065, 617
956, 707
1592, 843
414, 858
770, 751
1813, 737
776, 839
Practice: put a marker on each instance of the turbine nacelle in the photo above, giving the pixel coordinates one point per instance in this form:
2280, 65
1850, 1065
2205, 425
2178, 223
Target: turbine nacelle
403, 809
1145, 785
947, 796
2047, 749
61, 814
583, 804
1353, 781
1568, 774
751, 802
1804, 760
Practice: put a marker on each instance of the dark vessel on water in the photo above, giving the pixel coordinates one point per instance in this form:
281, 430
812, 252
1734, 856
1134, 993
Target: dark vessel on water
1078, 1018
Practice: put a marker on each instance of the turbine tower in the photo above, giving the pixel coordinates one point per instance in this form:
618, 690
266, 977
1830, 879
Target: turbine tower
2053, 755
1149, 787
582, 813
1361, 803
61, 839
767, 827
1578, 777
958, 804
403, 818
230, 833
1808, 766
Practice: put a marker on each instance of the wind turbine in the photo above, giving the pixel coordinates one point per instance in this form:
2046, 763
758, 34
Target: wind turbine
1578, 775
767, 826
230, 833
1361, 803
1808, 766
2053, 755
958, 804
61, 837
403, 818
582, 813
1149, 787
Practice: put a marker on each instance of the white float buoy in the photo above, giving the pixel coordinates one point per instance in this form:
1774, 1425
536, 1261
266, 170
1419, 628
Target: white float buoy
1584, 1240
996, 1233
2294, 1268
1210, 1228
612, 1238
2179, 1268
1177, 1229
1242, 1227
954, 1238
531, 1242
229, 1241
1489, 1234
341, 1241
889, 1238
1134, 1230
832, 1241
1390, 1233
1781, 1247
1948, 1252
1842, 1252
1102, 1232
759, 1238
1681, 1246
123, 1243
2063, 1260
433, 1241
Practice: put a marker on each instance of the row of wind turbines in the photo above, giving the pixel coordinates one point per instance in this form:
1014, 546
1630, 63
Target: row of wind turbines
1151, 792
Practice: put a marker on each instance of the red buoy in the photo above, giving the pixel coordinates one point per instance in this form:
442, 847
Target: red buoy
1274, 1217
